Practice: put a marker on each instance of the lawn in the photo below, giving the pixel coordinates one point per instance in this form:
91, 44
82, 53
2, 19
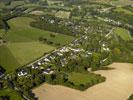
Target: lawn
83, 78
23, 44
123, 33
13, 94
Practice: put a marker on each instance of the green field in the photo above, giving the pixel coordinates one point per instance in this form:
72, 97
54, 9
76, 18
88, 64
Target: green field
81, 78
116, 2
121, 2
23, 45
120, 9
13, 94
7, 59
123, 33
21, 31
28, 51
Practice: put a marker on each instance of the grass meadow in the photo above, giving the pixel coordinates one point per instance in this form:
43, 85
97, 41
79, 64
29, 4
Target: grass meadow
23, 44
123, 34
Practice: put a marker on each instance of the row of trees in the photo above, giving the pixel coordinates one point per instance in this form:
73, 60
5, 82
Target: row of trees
52, 27
45, 40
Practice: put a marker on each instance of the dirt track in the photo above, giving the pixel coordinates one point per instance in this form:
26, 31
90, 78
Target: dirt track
118, 86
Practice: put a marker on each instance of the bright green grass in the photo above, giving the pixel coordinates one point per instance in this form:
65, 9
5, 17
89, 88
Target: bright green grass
21, 31
28, 51
120, 9
7, 60
123, 33
13, 94
82, 78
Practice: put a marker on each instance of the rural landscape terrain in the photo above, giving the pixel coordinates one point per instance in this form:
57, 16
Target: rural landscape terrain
66, 49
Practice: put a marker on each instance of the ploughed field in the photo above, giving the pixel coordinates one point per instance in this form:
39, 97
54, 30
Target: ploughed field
22, 43
118, 86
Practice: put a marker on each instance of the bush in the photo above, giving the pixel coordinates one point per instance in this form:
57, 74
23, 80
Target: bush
131, 97
52, 35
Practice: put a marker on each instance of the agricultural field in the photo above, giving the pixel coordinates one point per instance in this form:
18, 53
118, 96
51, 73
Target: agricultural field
116, 2
28, 51
123, 34
120, 9
7, 59
122, 2
23, 44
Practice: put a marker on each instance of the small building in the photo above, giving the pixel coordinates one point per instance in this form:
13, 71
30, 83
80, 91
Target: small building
22, 73
48, 71
46, 60
34, 66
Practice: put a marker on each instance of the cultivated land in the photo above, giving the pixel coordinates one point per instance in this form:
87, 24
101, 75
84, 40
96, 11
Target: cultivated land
116, 2
23, 44
118, 86
32, 51
120, 9
123, 33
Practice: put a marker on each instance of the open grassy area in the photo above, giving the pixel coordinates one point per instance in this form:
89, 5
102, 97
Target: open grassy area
117, 2
82, 78
13, 94
121, 2
23, 44
21, 31
120, 9
7, 59
123, 33
28, 51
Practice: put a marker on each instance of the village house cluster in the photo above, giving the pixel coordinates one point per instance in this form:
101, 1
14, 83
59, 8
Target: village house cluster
48, 58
